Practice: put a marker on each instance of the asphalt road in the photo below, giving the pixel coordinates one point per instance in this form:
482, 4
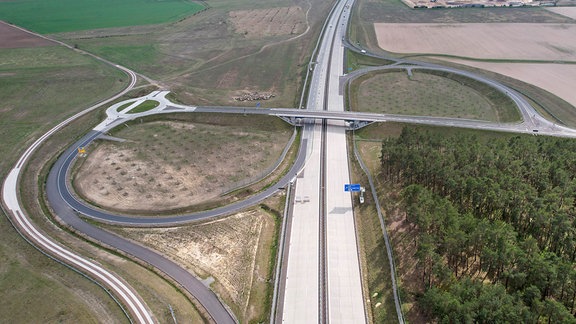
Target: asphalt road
190, 283
17, 214
92, 212
67, 206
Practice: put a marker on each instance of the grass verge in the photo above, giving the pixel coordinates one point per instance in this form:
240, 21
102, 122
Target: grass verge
145, 106
32, 84
430, 93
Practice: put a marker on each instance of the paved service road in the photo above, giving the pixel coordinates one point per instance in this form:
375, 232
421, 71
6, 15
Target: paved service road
322, 86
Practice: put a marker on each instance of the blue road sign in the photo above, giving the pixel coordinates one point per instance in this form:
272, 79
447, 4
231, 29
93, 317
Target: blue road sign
257, 105
352, 187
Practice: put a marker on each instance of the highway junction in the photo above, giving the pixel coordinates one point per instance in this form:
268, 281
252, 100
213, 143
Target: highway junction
320, 279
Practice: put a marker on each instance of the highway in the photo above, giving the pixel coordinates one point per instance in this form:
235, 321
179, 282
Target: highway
309, 144
312, 251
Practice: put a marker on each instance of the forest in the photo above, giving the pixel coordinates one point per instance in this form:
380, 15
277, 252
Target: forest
495, 223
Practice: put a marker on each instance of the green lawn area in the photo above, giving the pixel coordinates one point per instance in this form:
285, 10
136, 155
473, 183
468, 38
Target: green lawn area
145, 106
54, 16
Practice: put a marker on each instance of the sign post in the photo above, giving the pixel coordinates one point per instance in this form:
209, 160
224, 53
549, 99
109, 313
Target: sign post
353, 187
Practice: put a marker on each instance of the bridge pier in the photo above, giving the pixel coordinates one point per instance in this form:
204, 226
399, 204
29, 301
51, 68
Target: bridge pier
357, 124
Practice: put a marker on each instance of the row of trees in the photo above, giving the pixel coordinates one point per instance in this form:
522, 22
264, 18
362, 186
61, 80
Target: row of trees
496, 223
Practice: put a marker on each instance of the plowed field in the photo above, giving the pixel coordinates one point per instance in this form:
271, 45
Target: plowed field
484, 41
11, 37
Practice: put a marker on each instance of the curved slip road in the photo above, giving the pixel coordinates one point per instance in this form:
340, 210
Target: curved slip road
135, 304
61, 197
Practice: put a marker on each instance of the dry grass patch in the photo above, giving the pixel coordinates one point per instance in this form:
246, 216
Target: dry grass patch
487, 41
260, 23
235, 251
169, 165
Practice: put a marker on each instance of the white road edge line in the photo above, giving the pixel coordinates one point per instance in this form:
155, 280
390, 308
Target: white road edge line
10, 197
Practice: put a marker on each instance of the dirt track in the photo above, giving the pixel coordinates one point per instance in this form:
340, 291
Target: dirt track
11, 37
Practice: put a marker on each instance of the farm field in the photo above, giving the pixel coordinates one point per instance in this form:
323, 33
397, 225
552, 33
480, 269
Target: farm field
32, 84
16, 38
174, 164
558, 79
428, 94
548, 42
257, 23
564, 11
55, 16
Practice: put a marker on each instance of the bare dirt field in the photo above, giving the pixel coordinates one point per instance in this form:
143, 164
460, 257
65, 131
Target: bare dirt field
260, 23
169, 165
564, 11
484, 41
11, 37
558, 79
235, 251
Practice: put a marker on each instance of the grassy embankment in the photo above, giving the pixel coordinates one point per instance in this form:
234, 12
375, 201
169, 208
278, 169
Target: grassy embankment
34, 85
430, 93
48, 17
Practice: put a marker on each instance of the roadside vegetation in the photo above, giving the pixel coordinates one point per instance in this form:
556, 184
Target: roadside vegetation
546, 103
234, 255
372, 250
355, 61
158, 292
482, 223
47, 17
430, 93
33, 82
220, 53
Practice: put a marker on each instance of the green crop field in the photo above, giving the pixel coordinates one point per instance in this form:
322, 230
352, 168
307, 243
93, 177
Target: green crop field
54, 16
